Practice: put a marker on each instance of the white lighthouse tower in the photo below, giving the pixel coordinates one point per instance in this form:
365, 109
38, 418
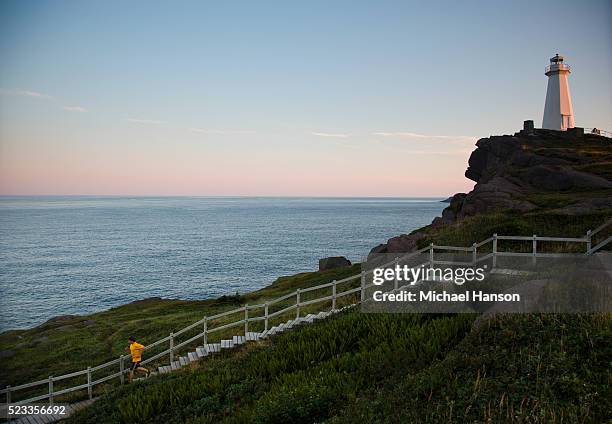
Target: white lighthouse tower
558, 111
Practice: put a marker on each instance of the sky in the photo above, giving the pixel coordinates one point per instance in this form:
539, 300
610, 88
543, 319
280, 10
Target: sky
317, 98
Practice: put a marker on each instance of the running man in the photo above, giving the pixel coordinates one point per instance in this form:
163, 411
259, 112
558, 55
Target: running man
136, 349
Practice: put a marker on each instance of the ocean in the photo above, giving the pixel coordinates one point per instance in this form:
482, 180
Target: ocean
78, 255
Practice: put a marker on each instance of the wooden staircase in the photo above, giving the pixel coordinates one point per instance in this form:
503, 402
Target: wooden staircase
210, 348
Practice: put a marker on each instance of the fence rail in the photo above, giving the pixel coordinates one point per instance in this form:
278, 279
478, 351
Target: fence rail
119, 363
598, 131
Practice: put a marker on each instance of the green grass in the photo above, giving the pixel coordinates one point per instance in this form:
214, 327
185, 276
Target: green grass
303, 376
508, 370
543, 223
359, 368
72, 344
512, 369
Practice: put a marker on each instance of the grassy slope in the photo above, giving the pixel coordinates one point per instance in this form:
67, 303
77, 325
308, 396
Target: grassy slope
522, 368
391, 368
398, 368
301, 376
542, 222
72, 344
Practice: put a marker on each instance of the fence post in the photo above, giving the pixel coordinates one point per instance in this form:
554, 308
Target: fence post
171, 348
266, 317
474, 254
205, 338
121, 370
246, 319
362, 286
535, 249
431, 255
297, 303
334, 295
8, 396
494, 250
396, 281
89, 391
50, 390
588, 237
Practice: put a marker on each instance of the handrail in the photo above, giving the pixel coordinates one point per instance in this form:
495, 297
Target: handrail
601, 227
322, 286
246, 319
189, 327
226, 313
600, 245
538, 238
160, 341
485, 241
457, 248
282, 311
65, 376
27, 385
284, 297
345, 280
559, 66
225, 326
104, 365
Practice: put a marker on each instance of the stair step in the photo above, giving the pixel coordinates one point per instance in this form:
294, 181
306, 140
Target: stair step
214, 347
251, 336
209, 348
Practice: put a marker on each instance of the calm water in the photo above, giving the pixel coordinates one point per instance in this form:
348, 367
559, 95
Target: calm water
76, 255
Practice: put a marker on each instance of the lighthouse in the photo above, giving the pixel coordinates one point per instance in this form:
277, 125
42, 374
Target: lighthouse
558, 111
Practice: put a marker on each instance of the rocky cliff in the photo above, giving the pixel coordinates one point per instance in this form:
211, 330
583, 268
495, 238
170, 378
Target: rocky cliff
565, 172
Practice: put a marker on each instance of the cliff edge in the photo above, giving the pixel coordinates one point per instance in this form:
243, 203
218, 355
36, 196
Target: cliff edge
534, 170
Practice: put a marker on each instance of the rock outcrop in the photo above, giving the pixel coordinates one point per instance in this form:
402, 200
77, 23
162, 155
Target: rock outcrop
333, 262
512, 171
509, 169
400, 244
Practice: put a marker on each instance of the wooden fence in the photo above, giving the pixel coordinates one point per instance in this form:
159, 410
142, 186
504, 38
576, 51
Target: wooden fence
248, 315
